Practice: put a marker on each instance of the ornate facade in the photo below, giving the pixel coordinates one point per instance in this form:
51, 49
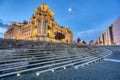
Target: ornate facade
42, 26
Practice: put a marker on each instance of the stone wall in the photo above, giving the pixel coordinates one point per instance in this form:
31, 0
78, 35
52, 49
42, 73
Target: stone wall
10, 43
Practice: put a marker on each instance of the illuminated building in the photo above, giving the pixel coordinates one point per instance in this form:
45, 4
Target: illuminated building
42, 26
110, 36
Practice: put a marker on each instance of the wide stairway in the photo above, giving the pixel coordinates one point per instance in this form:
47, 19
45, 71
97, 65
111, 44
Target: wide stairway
19, 61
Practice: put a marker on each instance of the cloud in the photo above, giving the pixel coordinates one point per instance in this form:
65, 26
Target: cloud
88, 35
95, 32
2, 30
1, 35
5, 22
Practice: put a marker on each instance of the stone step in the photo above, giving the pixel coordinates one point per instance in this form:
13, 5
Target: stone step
49, 60
55, 64
37, 60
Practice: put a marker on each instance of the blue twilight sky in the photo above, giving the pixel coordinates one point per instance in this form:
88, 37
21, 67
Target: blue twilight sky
87, 18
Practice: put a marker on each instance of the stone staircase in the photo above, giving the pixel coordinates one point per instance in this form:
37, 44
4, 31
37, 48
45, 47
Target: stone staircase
39, 60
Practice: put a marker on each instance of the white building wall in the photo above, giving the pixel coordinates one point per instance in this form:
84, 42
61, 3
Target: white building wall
108, 41
116, 31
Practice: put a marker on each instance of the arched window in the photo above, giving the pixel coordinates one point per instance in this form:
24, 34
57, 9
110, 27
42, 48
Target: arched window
49, 28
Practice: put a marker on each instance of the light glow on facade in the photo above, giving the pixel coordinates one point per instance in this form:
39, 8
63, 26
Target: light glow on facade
42, 26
